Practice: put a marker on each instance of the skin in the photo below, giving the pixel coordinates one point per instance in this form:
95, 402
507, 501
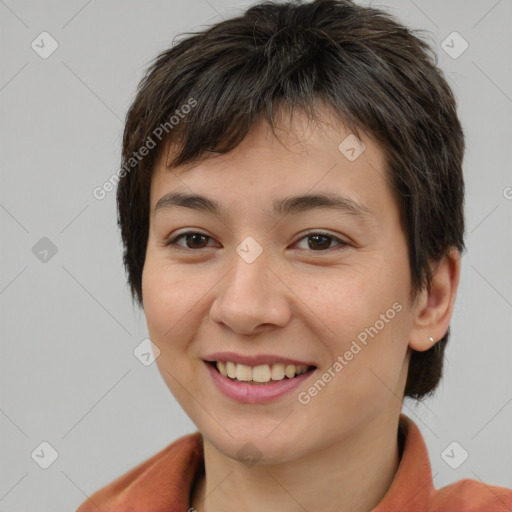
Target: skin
301, 298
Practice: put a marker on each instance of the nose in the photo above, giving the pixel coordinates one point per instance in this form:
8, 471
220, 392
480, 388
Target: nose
251, 297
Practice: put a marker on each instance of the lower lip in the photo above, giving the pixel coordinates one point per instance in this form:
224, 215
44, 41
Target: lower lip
255, 393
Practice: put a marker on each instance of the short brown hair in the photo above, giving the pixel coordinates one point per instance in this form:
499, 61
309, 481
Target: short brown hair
373, 72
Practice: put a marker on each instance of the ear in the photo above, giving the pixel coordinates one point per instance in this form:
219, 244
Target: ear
434, 306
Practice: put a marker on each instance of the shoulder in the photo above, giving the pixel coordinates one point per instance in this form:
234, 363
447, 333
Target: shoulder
472, 496
413, 488
153, 484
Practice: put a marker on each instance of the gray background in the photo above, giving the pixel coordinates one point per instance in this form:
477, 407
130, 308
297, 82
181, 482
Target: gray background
68, 328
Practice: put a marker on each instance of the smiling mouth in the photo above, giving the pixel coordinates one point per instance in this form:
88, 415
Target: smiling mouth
261, 374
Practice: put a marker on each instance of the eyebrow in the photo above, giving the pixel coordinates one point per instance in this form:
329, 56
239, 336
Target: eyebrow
284, 206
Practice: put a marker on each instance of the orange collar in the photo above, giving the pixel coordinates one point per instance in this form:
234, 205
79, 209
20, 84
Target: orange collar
164, 482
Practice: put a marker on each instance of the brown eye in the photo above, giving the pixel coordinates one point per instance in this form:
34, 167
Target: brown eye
319, 242
193, 240
196, 238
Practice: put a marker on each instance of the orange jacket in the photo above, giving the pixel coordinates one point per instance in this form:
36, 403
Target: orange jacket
163, 483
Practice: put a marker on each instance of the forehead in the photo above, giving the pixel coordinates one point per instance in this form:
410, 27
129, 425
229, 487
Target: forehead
302, 156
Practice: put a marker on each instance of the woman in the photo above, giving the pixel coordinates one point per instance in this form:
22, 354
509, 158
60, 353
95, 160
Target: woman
291, 208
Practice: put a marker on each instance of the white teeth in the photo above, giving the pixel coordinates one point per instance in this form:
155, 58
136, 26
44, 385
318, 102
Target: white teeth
243, 372
261, 373
231, 370
277, 371
290, 371
221, 366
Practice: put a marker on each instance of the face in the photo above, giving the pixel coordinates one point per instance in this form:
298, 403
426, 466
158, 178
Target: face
265, 281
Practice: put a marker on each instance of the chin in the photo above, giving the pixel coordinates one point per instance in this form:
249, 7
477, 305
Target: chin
259, 444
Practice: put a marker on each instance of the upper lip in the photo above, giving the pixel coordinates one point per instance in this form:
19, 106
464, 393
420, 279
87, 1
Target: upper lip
254, 360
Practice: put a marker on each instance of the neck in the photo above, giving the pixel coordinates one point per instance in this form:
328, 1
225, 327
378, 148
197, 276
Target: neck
353, 475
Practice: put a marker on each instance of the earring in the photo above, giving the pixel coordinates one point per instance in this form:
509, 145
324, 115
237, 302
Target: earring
431, 339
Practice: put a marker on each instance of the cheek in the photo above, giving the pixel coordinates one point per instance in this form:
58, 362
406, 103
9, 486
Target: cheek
156, 304
175, 302
352, 302
368, 325
165, 302
168, 304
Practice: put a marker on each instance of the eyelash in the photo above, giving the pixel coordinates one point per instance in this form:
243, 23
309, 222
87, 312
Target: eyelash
172, 241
